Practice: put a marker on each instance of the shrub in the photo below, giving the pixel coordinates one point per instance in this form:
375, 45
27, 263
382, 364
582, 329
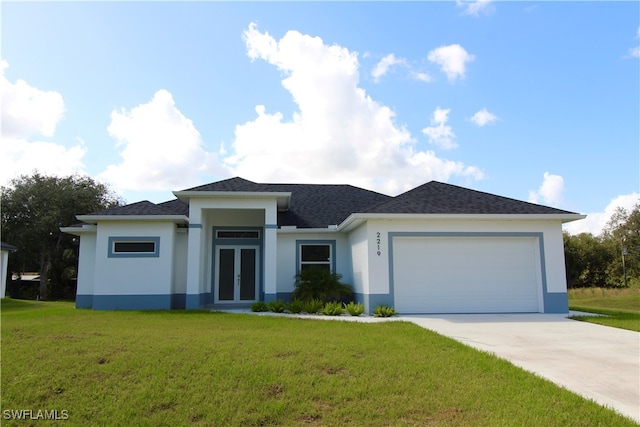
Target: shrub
354, 309
383, 311
322, 284
259, 306
333, 308
312, 306
294, 306
276, 306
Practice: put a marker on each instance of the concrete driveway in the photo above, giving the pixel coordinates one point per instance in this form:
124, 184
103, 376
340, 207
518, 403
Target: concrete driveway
594, 361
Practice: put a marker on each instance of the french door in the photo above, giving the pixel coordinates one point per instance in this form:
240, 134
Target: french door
236, 274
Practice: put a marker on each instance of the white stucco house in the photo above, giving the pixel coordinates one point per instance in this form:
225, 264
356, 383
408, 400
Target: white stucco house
437, 248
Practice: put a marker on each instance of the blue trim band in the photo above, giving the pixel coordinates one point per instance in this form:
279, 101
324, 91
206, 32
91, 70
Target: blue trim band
132, 302
194, 226
270, 226
84, 301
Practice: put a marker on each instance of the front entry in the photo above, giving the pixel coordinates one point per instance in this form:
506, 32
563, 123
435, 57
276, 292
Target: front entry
236, 276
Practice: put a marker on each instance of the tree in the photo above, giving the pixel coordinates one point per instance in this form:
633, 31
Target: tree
33, 210
611, 259
587, 259
622, 235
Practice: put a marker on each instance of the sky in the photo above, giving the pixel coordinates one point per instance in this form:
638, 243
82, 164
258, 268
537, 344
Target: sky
537, 101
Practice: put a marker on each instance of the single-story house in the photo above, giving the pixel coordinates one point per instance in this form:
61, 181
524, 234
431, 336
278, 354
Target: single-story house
438, 248
5, 248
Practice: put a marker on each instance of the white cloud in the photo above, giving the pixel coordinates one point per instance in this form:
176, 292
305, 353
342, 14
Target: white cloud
634, 52
452, 60
338, 133
423, 77
21, 157
596, 221
439, 133
28, 112
550, 191
161, 148
483, 117
385, 65
475, 8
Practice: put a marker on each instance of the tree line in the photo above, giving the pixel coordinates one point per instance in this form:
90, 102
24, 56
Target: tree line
34, 207
610, 259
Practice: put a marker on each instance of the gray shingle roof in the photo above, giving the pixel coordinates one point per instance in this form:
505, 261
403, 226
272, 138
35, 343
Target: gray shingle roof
318, 205
312, 205
440, 198
144, 207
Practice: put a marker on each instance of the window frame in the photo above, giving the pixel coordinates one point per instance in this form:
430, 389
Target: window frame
243, 234
113, 240
332, 254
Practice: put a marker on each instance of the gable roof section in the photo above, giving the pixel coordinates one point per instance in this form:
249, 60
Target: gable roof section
440, 198
318, 206
233, 184
311, 205
145, 210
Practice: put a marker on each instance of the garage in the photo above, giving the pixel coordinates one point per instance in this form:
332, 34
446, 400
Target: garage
462, 274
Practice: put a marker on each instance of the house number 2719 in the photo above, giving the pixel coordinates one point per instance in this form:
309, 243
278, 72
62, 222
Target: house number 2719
378, 242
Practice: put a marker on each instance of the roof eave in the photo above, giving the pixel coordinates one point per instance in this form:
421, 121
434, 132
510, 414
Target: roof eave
355, 219
79, 231
283, 198
94, 219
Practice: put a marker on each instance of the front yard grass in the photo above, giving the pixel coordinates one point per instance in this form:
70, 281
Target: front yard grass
620, 307
199, 368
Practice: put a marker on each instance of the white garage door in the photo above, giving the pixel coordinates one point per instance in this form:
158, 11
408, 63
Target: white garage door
466, 274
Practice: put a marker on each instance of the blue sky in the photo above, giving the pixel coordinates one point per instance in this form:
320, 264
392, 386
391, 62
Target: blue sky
538, 101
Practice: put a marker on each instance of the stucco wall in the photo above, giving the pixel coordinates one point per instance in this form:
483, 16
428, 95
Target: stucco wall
359, 251
86, 270
134, 275
180, 255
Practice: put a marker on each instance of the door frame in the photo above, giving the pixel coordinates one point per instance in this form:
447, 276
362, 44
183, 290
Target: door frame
217, 242
237, 267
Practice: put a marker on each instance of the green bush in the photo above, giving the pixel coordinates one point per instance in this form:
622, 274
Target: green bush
276, 306
312, 306
322, 284
383, 311
259, 306
294, 306
354, 309
333, 308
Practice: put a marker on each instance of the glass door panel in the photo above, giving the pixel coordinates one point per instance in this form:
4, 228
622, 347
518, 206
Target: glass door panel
226, 275
247, 274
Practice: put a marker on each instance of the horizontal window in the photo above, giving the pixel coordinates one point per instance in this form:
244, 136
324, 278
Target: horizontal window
138, 247
238, 234
134, 247
315, 256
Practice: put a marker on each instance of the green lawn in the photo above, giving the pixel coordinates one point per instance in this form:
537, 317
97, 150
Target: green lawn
620, 307
197, 368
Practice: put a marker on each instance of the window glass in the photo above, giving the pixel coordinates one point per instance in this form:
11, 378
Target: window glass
315, 256
134, 247
238, 234
316, 253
